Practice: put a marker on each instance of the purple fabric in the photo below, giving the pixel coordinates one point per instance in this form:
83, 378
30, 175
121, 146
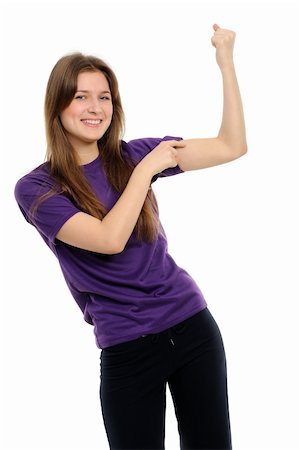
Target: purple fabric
138, 291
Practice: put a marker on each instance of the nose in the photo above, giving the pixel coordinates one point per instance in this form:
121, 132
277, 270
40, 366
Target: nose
94, 107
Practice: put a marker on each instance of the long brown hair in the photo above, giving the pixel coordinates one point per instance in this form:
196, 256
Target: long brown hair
63, 165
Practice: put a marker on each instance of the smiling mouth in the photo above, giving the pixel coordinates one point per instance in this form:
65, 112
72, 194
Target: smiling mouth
92, 122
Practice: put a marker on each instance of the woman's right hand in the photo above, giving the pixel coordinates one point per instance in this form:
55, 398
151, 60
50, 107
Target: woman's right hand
162, 157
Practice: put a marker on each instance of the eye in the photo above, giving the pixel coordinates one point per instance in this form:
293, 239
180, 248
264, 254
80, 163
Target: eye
80, 97
105, 98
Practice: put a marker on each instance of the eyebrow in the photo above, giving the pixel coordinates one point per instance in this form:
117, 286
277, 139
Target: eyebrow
103, 92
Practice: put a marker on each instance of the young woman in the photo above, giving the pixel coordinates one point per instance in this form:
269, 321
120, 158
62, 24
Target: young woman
93, 205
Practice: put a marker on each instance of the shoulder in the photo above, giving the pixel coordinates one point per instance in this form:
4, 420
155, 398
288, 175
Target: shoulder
40, 174
38, 180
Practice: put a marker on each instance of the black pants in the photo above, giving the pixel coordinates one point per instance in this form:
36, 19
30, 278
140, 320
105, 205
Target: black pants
190, 357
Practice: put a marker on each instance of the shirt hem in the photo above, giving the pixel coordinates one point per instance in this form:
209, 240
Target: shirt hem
58, 225
164, 327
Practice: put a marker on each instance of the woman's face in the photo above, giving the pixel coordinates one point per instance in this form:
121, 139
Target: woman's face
89, 114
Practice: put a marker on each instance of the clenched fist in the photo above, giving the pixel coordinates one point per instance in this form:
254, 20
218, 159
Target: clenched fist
223, 40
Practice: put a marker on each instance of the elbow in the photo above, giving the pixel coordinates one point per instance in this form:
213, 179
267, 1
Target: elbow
113, 242
244, 150
115, 248
240, 151
234, 149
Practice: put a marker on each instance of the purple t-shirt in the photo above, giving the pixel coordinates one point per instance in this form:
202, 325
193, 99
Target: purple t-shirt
138, 291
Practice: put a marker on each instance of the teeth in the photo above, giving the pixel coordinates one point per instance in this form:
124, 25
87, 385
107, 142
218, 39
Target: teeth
92, 122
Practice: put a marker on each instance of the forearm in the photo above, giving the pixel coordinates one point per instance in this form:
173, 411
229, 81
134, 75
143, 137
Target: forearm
232, 130
122, 218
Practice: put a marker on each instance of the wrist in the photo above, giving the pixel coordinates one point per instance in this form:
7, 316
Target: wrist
142, 171
227, 67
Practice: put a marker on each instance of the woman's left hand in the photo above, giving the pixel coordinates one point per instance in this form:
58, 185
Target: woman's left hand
223, 40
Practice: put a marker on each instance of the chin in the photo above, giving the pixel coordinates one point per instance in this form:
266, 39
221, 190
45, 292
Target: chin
89, 140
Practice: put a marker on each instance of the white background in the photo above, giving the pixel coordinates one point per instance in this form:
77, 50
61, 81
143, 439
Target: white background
233, 227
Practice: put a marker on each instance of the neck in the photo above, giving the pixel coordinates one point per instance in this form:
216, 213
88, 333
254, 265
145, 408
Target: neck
86, 153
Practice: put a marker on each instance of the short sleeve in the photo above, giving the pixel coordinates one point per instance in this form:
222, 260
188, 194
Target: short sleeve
139, 148
51, 214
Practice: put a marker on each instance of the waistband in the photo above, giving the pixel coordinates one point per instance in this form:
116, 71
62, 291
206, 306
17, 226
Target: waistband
176, 329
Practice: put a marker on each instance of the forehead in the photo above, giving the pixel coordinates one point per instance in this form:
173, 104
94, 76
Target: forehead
92, 81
